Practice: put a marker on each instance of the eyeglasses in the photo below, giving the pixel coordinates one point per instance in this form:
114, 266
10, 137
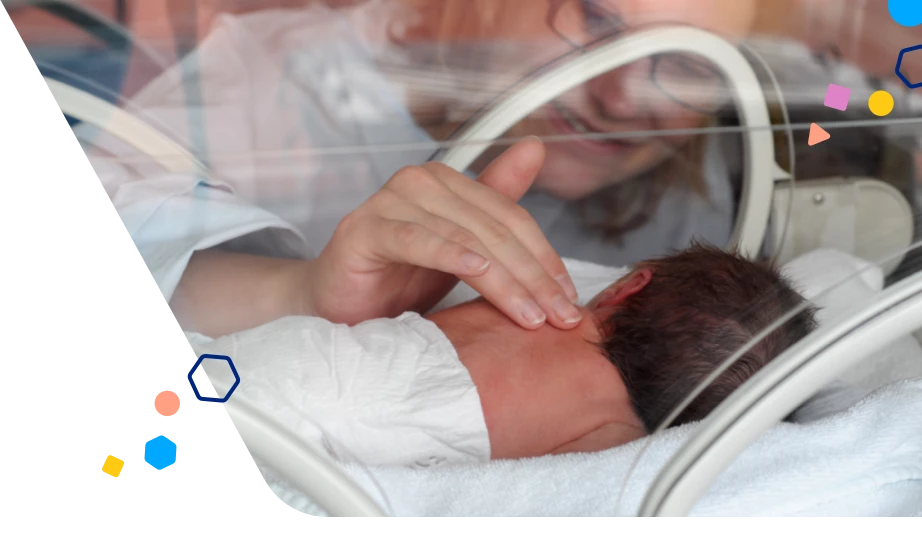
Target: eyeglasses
687, 80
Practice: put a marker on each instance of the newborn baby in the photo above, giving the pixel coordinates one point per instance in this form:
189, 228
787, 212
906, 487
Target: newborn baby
466, 384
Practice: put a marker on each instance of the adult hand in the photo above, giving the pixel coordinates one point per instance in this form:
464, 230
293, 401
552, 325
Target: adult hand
428, 227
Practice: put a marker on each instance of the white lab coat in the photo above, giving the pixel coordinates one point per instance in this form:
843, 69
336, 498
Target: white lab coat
280, 105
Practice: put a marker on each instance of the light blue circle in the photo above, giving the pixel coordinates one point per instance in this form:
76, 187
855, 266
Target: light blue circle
907, 13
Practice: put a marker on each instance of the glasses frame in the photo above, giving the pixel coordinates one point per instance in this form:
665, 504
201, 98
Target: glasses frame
618, 26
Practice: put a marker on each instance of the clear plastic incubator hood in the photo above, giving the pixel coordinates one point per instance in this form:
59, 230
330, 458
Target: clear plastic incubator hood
733, 187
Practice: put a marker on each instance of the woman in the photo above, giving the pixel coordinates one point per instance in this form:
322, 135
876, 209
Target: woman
631, 196
276, 88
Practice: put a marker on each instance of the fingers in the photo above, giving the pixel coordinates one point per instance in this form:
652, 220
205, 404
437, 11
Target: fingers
512, 173
516, 282
403, 242
528, 302
415, 244
514, 218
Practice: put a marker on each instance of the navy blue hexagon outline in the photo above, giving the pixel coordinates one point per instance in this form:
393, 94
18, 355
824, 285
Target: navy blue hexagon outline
219, 358
899, 62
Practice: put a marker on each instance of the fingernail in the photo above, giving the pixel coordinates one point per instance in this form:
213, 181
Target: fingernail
567, 284
566, 311
531, 312
474, 262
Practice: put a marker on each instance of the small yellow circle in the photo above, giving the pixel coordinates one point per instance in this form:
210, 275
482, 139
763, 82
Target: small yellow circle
881, 103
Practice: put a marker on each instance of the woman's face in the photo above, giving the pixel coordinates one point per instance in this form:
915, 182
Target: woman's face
626, 100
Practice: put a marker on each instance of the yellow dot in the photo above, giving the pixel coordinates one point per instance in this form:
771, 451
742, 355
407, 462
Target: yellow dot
881, 103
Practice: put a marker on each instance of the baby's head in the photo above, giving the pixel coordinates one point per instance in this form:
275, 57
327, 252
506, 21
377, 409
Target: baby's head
673, 321
645, 343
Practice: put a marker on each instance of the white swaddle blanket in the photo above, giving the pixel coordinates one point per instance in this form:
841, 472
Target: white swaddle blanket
383, 392
864, 460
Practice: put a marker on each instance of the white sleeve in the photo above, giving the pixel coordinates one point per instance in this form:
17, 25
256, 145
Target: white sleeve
172, 216
384, 392
254, 102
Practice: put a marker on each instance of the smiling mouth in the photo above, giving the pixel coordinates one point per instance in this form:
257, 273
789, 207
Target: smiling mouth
572, 120
571, 124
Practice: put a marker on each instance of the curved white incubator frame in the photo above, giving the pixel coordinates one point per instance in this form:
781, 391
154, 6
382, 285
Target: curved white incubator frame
736, 423
776, 391
759, 170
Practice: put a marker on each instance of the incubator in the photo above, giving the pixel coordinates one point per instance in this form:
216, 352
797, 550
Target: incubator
257, 126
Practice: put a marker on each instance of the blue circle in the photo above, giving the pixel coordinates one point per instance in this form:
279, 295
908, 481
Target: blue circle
907, 13
160, 452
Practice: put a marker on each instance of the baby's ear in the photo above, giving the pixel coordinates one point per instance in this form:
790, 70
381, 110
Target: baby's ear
621, 290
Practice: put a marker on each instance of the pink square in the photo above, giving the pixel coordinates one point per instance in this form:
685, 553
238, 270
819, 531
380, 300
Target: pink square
837, 97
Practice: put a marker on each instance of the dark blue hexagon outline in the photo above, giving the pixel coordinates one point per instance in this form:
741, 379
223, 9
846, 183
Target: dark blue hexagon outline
899, 62
219, 358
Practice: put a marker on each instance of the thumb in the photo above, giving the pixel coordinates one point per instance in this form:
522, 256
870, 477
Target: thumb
513, 172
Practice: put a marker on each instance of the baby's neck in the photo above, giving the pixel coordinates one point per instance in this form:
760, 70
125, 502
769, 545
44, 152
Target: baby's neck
540, 390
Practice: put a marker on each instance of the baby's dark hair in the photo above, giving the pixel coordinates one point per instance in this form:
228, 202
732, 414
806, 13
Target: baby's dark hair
701, 306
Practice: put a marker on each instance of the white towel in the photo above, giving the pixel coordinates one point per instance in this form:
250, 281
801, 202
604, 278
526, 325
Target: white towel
866, 461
